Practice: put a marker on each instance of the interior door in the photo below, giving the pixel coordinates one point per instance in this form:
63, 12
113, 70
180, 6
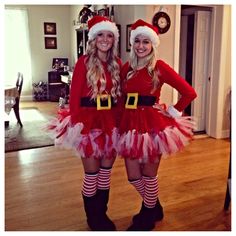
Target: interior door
200, 66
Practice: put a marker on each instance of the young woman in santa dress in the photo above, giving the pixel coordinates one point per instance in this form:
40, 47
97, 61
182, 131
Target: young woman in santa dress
90, 125
149, 129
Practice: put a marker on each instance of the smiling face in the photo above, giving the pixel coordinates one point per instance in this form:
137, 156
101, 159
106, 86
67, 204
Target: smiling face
104, 40
142, 46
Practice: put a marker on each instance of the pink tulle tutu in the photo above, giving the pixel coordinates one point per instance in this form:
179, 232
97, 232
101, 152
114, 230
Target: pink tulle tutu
85, 139
146, 133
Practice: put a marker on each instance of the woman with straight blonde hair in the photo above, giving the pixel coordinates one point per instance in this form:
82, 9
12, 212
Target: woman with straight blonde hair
148, 130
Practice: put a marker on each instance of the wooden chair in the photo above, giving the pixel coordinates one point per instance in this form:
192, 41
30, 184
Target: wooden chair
19, 84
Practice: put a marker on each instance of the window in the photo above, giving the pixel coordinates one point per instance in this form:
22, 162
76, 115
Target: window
17, 47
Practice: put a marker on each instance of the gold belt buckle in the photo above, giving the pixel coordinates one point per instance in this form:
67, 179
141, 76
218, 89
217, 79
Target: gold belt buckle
104, 102
131, 101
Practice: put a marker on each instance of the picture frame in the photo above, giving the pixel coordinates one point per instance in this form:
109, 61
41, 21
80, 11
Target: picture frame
119, 44
50, 28
128, 31
59, 63
103, 12
50, 42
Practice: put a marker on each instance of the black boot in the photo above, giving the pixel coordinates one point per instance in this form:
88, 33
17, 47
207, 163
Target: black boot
145, 220
96, 217
103, 198
158, 212
90, 207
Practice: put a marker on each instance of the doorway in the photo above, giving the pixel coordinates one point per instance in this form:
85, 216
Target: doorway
195, 37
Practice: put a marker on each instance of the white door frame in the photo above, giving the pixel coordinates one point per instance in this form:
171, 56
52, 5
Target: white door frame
216, 68
200, 73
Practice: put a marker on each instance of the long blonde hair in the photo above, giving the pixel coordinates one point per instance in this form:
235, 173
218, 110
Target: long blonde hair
149, 61
96, 73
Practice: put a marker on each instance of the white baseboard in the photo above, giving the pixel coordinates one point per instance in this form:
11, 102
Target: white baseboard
221, 134
26, 98
225, 134
200, 136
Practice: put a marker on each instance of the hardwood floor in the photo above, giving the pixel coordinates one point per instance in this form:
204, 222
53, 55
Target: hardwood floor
43, 190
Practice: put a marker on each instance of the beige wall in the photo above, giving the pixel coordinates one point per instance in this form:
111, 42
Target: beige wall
225, 87
127, 14
41, 58
220, 83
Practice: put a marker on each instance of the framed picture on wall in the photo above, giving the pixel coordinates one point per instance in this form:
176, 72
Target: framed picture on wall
128, 30
104, 12
59, 63
50, 42
50, 28
119, 46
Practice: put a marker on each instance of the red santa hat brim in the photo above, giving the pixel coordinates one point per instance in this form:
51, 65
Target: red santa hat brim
142, 27
103, 25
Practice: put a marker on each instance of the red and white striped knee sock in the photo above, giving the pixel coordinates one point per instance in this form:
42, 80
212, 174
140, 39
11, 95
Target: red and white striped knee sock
151, 191
104, 178
139, 185
89, 188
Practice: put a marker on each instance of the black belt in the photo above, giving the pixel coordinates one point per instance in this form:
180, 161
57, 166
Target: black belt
133, 100
88, 102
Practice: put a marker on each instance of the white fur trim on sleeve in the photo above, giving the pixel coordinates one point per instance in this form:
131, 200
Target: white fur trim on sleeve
174, 112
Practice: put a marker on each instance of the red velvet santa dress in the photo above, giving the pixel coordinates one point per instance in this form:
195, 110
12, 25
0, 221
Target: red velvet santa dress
91, 132
150, 130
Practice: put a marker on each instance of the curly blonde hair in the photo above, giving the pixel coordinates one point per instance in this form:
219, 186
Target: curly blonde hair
96, 73
149, 61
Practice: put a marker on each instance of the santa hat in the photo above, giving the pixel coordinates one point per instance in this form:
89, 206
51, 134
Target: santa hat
142, 27
98, 23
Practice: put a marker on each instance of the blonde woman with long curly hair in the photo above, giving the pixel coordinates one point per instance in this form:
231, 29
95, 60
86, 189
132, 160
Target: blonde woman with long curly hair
90, 126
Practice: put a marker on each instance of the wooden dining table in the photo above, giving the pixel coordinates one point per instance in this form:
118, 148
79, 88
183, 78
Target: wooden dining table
11, 101
11, 91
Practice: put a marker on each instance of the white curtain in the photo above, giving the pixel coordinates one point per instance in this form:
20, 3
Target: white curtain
17, 48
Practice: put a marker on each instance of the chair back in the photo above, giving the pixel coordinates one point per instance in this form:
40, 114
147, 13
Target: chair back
19, 82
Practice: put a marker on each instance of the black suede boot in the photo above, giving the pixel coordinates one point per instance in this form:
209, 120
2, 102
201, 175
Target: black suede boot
96, 216
103, 198
90, 207
158, 212
145, 220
